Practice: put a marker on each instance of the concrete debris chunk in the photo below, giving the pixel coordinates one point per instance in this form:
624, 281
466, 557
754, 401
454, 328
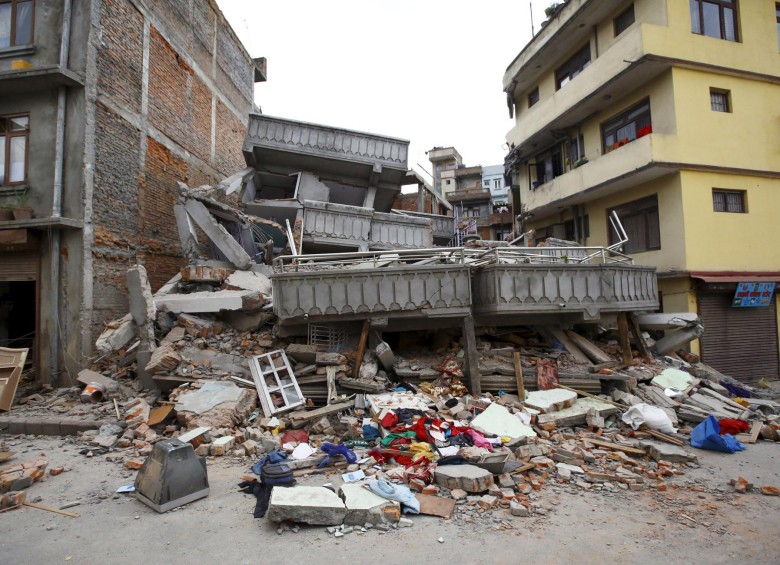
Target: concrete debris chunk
469, 478
317, 506
497, 420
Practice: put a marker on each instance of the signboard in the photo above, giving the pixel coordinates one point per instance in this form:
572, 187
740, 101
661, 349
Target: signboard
753, 294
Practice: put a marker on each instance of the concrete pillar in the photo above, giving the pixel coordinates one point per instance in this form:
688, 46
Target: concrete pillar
218, 235
473, 380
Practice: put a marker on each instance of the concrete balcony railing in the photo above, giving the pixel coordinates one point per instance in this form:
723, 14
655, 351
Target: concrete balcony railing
575, 101
636, 157
393, 231
431, 283
336, 224
404, 290
581, 290
443, 226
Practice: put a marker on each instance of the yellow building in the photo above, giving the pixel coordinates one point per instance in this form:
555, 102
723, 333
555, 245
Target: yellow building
667, 111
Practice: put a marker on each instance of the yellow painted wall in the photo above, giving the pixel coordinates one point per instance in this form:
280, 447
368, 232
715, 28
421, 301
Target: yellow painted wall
745, 138
651, 12
724, 241
758, 39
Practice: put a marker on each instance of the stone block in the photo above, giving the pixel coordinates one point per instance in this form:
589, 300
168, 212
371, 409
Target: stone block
302, 353
316, 506
363, 506
12, 499
547, 401
222, 445
469, 478
488, 501
164, 359
517, 509
250, 447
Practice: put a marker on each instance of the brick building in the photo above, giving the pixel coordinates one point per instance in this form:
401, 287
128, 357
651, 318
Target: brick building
104, 105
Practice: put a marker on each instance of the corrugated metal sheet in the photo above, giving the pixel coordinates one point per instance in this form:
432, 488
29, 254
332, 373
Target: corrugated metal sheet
19, 266
739, 342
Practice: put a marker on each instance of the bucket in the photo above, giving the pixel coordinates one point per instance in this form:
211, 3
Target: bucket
93, 392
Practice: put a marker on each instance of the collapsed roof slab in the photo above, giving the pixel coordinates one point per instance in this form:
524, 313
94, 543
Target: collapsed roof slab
282, 146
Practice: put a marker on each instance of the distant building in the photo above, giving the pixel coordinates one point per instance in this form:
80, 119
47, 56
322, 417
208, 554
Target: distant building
665, 112
478, 194
104, 105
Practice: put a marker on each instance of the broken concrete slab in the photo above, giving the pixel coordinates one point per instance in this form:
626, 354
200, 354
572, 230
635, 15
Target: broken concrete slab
317, 506
302, 353
465, 477
249, 280
499, 421
246, 321
164, 359
116, 335
674, 378
552, 400
142, 307
662, 451
576, 415
204, 302
662, 321
86, 377
218, 235
385, 355
363, 506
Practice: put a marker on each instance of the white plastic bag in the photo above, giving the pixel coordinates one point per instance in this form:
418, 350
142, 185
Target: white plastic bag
651, 416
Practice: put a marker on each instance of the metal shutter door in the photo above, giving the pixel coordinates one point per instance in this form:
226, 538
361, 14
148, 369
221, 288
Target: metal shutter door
19, 266
739, 342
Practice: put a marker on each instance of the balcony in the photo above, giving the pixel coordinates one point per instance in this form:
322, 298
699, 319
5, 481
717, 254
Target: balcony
392, 231
577, 292
634, 163
443, 226
612, 74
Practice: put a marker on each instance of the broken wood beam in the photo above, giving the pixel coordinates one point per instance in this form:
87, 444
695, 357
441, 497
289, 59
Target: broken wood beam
473, 382
590, 349
641, 344
615, 446
361, 348
570, 346
516, 358
625, 342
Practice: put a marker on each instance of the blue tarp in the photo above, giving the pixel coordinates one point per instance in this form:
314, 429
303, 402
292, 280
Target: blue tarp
707, 436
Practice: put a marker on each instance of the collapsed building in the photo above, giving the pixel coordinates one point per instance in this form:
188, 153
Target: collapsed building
316, 216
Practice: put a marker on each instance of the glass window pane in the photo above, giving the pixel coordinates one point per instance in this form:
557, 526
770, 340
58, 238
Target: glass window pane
711, 20
5, 25
24, 17
728, 24
695, 21
2, 159
20, 123
18, 152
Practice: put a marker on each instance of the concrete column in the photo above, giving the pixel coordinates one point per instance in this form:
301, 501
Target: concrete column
218, 235
473, 379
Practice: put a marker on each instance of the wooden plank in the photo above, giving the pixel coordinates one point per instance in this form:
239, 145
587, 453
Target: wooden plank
662, 436
55, 510
435, 505
590, 349
361, 348
615, 446
610, 365
625, 342
158, 414
516, 358
640, 342
570, 346
473, 382
301, 417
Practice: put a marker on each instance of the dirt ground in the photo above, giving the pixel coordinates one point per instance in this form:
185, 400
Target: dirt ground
699, 519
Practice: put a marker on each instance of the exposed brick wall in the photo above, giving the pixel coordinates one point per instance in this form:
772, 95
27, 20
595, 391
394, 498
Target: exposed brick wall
133, 206
120, 54
406, 202
230, 139
117, 174
179, 102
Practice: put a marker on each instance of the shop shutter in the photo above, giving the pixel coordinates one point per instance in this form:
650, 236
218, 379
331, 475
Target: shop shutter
739, 342
19, 266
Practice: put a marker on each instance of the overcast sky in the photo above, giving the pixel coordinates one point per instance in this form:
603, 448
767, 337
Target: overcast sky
429, 71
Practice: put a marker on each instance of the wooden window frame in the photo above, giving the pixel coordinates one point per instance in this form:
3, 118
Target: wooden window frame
533, 97
12, 40
620, 23
644, 207
724, 105
643, 126
777, 19
8, 135
725, 192
698, 6
573, 66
